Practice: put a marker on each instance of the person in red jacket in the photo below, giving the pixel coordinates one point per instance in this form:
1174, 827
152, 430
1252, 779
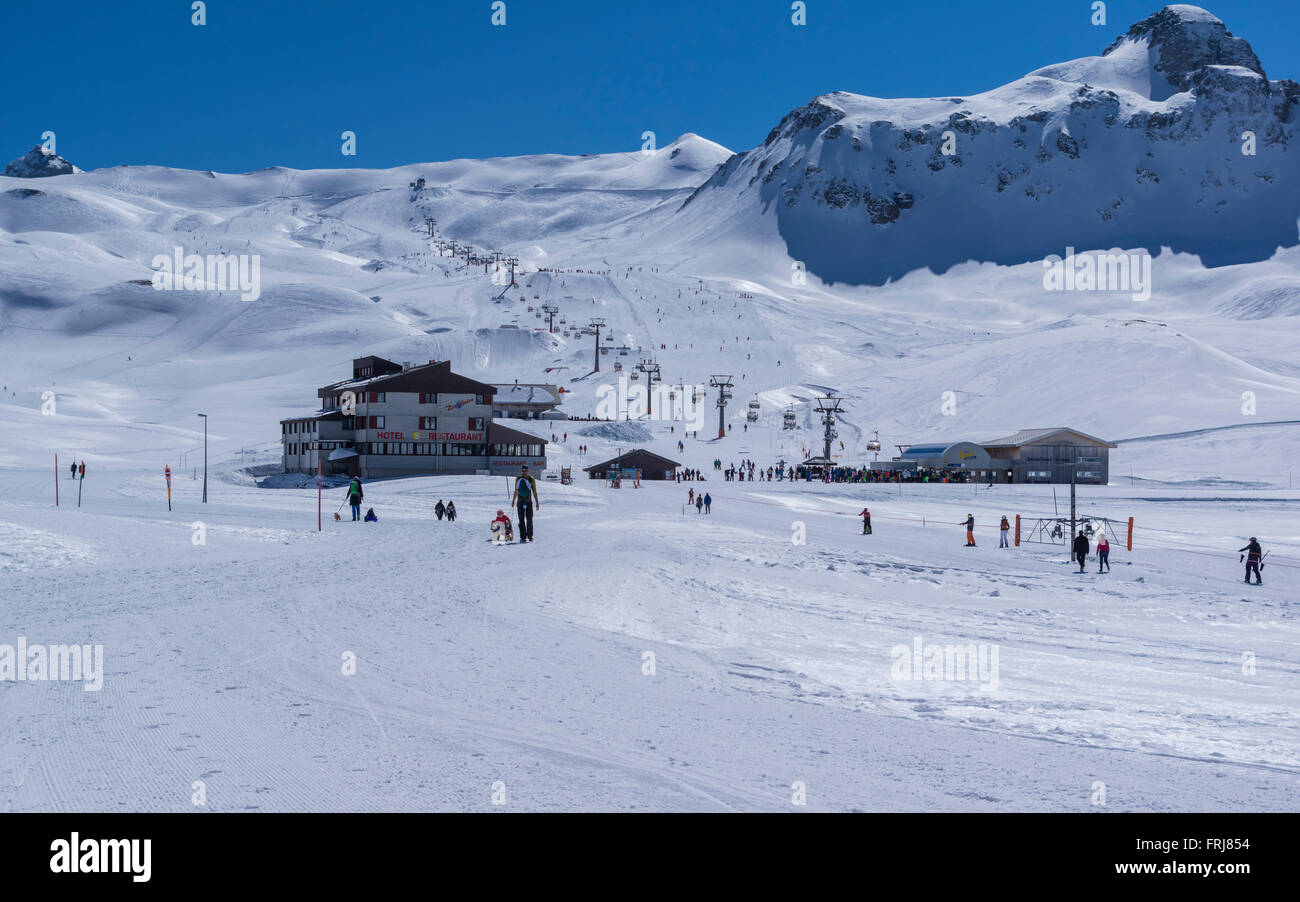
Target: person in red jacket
501, 527
866, 521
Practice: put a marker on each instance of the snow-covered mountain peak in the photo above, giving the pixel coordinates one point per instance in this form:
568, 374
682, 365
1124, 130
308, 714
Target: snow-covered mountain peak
38, 163
1179, 41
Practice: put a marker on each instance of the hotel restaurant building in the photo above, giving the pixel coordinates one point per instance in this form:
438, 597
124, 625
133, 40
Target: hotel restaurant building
394, 419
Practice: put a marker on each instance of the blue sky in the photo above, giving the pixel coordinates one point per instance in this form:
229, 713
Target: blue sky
275, 82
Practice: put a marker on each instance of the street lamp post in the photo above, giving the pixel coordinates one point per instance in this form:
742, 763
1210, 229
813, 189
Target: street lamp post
205, 457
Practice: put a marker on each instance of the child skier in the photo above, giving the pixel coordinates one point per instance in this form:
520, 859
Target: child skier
1004, 528
866, 521
970, 530
502, 531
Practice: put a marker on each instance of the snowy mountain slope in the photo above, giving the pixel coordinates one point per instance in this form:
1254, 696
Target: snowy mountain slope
692, 263
1093, 154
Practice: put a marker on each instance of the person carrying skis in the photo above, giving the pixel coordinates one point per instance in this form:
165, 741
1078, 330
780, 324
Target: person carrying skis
1103, 551
708, 503
970, 530
1081, 549
451, 511
866, 521
524, 497
1254, 555
355, 497
440, 509
1004, 529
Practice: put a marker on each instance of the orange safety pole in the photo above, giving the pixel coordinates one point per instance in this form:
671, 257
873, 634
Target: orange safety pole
1130, 533
1017, 530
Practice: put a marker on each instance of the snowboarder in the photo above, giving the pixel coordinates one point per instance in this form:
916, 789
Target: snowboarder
370, 516
970, 530
525, 495
1103, 552
1004, 529
708, 503
1253, 557
440, 509
1081, 549
699, 504
866, 521
502, 531
451, 511
355, 497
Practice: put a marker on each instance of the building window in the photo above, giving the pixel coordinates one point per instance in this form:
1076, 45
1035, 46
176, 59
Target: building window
475, 423
428, 397
429, 423
376, 422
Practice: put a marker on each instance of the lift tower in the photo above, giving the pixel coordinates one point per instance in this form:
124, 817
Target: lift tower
723, 384
651, 370
597, 323
828, 407
550, 310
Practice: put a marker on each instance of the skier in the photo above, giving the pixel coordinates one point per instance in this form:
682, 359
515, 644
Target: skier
708, 503
525, 495
1103, 552
1004, 529
440, 509
866, 521
970, 530
1254, 556
451, 511
690, 497
1081, 549
699, 504
355, 497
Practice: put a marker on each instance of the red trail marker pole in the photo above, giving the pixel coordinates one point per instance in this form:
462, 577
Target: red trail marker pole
167, 471
1130, 533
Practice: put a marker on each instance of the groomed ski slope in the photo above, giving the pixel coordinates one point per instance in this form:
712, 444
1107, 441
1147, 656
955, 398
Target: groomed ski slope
524, 664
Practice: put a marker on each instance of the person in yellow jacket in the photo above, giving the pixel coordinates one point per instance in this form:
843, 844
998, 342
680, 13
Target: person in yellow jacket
523, 498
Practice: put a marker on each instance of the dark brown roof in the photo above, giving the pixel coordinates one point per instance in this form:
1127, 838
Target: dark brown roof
504, 435
433, 377
629, 460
